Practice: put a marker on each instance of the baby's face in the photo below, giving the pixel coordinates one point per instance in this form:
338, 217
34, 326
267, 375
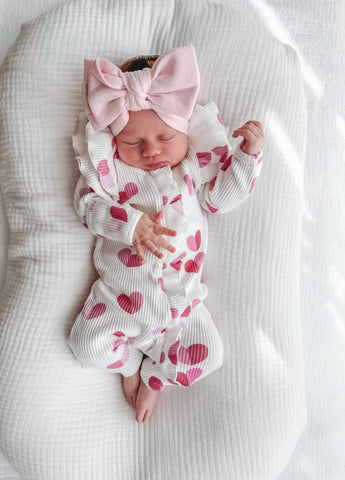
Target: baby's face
148, 143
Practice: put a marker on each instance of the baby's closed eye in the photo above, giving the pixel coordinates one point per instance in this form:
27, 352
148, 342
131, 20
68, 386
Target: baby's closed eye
166, 138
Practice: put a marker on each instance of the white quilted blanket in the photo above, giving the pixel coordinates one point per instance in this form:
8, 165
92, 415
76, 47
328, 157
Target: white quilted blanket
62, 422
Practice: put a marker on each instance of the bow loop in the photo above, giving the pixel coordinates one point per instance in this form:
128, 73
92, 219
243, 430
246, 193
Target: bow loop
170, 89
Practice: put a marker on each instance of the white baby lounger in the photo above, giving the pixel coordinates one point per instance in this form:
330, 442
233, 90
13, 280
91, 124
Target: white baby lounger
60, 421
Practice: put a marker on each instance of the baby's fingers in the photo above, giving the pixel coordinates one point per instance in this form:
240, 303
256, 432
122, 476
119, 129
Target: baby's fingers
162, 242
157, 217
258, 125
161, 230
139, 251
151, 247
248, 132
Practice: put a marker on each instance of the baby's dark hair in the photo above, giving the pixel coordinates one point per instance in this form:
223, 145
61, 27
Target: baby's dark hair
138, 63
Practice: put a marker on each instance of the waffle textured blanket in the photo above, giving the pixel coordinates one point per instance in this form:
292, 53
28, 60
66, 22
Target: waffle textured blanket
62, 422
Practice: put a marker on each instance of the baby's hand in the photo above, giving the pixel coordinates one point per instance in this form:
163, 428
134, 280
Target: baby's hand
148, 234
253, 137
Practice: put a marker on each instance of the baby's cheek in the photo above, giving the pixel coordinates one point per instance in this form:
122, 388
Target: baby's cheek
182, 148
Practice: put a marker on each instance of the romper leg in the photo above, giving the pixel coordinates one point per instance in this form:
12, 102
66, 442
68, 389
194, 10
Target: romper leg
100, 338
192, 355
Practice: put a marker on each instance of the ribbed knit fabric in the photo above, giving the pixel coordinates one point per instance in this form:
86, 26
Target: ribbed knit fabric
62, 422
149, 307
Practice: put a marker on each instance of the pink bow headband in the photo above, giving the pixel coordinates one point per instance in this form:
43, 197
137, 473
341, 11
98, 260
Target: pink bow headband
169, 88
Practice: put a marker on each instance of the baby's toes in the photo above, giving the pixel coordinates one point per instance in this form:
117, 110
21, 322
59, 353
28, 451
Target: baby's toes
142, 414
133, 401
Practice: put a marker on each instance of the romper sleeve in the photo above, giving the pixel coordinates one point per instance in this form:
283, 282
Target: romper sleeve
96, 197
224, 178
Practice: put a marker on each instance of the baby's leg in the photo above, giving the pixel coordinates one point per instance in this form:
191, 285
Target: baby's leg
199, 351
194, 353
103, 338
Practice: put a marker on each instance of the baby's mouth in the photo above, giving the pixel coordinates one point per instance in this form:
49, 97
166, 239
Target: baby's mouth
156, 165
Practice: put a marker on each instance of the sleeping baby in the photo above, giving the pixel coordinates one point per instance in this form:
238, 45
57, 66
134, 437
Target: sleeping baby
153, 166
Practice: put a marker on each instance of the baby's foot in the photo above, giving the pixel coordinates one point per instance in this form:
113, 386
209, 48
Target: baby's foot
130, 386
146, 401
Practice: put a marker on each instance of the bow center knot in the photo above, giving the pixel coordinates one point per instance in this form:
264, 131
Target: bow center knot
137, 85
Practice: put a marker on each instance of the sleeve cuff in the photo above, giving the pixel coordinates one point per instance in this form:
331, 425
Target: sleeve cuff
248, 159
135, 217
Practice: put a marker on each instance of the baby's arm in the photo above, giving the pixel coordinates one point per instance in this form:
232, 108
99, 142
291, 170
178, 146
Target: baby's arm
223, 179
236, 176
103, 216
121, 223
233, 184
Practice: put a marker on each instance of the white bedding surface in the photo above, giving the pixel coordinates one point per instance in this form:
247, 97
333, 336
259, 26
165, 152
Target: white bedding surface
319, 453
248, 415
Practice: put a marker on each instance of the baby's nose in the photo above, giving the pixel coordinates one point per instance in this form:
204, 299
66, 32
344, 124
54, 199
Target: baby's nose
150, 149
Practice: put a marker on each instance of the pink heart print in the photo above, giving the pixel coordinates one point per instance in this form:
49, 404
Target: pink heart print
186, 379
161, 284
155, 383
176, 264
118, 333
118, 213
226, 164
106, 179
186, 312
194, 241
127, 258
183, 317
158, 330
91, 310
190, 184
204, 158
212, 184
192, 355
193, 266
118, 342
103, 168
252, 185
120, 363
131, 304
117, 220
84, 191
176, 199
222, 152
107, 182
176, 203
195, 302
211, 209
172, 353
130, 189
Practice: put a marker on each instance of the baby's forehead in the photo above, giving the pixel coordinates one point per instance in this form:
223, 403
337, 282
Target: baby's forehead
143, 121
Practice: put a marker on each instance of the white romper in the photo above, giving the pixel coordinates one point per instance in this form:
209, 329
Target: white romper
156, 308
